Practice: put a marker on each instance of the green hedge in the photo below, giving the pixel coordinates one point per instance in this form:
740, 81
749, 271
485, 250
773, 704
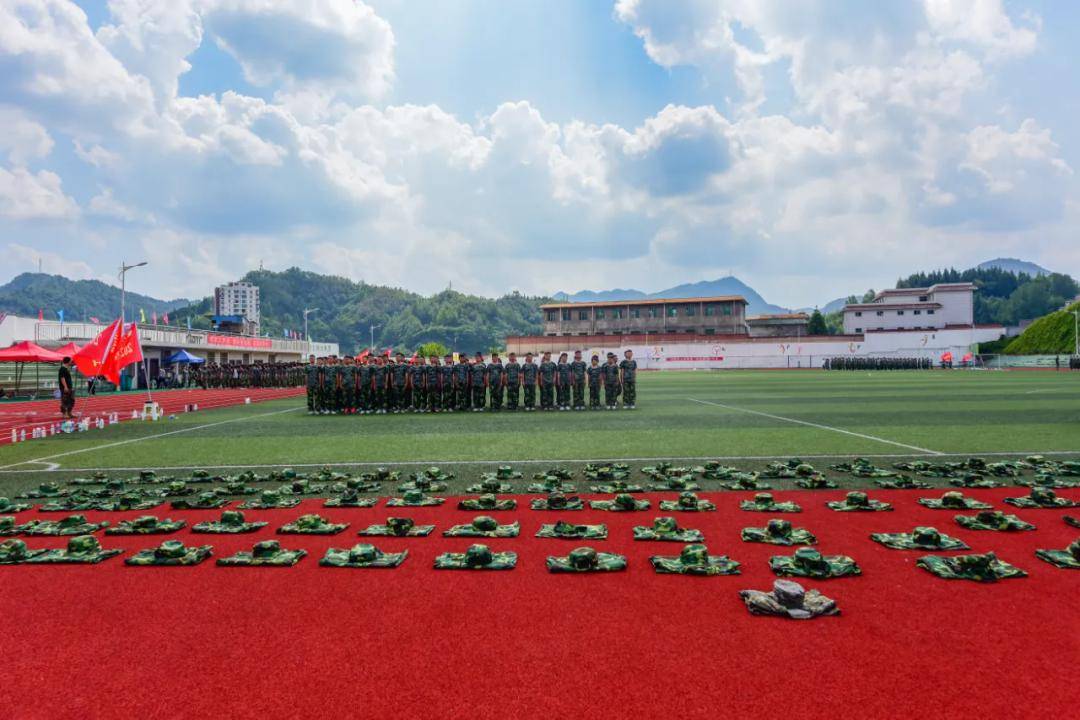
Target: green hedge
1050, 334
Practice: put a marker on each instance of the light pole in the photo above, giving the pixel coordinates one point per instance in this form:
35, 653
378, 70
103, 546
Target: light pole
1076, 332
373, 328
124, 267
307, 338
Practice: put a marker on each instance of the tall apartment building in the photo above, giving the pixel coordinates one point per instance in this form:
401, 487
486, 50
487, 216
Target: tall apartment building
239, 300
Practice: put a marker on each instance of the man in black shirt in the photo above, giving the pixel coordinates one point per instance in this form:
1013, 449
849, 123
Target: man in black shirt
67, 390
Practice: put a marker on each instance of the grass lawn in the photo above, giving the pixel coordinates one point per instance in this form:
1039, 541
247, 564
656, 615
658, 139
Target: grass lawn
747, 416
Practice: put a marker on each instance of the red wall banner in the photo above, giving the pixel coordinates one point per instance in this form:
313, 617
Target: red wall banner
238, 341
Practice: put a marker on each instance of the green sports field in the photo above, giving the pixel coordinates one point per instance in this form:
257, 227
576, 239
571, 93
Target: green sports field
746, 417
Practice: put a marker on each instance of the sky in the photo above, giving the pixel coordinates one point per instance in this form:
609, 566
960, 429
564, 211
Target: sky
812, 149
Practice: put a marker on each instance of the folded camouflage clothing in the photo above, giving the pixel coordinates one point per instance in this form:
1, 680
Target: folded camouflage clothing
267, 552
816, 482
7, 506
695, 560
674, 482
901, 482
146, 525
477, 557
789, 599
171, 552
808, 562
269, 500
687, 502
745, 481
176, 488
569, 531
1041, 497
422, 483
71, 525
921, 538
381, 475
606, 473
764, 502
484, 526
550, 484
927, 469
8, 525
203, 501
558, 501
362, 555
620, 503
666, 471
487, 502
975, 480
398, 527
1070, 520
1047, 481
80, 549
13, 552
503, 472
953, 500
415, 498
713, 470
793, 468
559, 473
354, 485
232, 522
1067, 558
236, 488
490, 486
301, 487
585, 559
993, 520
667, 529
861, 467
350, 498
434, 474
858, 502
311, 524
127, 502
980, 568
46, 490
617, 486
779, 532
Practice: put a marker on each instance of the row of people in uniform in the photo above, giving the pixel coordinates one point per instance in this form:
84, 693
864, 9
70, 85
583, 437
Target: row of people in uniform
368, 384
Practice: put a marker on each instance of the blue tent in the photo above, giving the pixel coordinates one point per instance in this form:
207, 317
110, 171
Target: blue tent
183, 356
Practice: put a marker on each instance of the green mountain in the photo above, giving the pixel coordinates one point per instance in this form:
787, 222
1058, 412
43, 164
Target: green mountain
1049, 335
730, 285
80, 300
1014, 265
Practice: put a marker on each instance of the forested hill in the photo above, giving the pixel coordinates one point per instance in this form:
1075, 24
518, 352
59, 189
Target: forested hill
1003, 296
80, 300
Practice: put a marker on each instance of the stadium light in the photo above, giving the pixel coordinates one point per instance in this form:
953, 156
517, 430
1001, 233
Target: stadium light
124, 267
1076, 332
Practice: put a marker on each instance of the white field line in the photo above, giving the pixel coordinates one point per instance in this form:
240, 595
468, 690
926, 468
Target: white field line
818, 426
563, 461
45, 460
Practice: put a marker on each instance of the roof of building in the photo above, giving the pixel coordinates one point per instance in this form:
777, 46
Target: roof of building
659, 301
777, 316
893, 306
926, 290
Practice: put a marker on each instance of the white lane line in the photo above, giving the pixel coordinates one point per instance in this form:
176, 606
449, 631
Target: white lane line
817, 425
43, 460
564, 461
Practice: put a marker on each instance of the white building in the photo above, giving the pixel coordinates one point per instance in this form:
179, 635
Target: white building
941, 306
239, 299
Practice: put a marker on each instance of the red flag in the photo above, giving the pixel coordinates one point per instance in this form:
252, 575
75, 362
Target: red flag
95, 320
91, 359
966, 358
165, 318
364, 354
946, 357
40, 315
414, 358
153, 317
126, 350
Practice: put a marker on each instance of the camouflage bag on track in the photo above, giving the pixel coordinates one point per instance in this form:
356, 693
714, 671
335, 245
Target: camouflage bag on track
81, 549
745, 481
397, 527
487, 502
808, 562
415, 498
569, 531
980, 568
7, 506
46, 490
14, 552
311, 524
779, 532
558, 501
621, 503
586, 560
362, 555
171, 552
789, 599
490, 486
858, 502
695, 560
1041, 498
953, 500
146, 525
550, 484
687, 502
993, 520
921, 538
816, 482
350, 498
232, 522
203, 501
617, 486
484, 526
667, 529
974, 480
764, 502
268, 553
674, 482
477, 557
71, 525
863, 468
901, 482
1067, 558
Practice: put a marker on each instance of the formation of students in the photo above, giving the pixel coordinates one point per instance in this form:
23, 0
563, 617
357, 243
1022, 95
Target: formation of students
368, 385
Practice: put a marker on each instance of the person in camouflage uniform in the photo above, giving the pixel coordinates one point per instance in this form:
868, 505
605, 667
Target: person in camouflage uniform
611, 382
462, 374
478, 379
628, 380
856, 501
496, 382
348, 386
530, 374
311, 377
446, 383
547, 382
764, 502
596, 378
578, 371
563, 381
362, 379
432, 395
379, 382
399, 380
512, 374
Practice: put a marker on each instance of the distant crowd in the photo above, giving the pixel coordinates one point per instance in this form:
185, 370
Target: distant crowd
879, 363
370, 384
213, 375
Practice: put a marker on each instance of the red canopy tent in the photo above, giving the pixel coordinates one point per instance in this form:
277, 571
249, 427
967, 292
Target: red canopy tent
67, 350
27, 352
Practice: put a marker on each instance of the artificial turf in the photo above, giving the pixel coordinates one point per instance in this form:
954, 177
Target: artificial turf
680, 415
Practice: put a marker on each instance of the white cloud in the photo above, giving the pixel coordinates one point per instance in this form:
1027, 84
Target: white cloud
22, 138
25, 195
25, 259
980, 22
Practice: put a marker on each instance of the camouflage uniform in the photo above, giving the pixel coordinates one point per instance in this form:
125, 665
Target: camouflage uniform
1067, 558
993, 520
398, 527
563, 381
232, 522
350, 498
496, 384
433, 396
621, 503
584, 560
362, 555
980, 568
462, 372
477, 557
364, 400
629, 382
953, 500
379, 383
170, 552
71, 525
610, 373
484, 526
921, 538
764, 502
808, 562
779, 532
478, 380
311, 376
399, 378
595, 374
578, 371
547, 385
687, 502
14, 552
146, 525
82, 549
269, 499
557, 501
512, 371
415, 498
789, 599
311, 525
267, 553
1041, 497
347, 392
569, 531
858, 502
694, 560
446, 384
487, 502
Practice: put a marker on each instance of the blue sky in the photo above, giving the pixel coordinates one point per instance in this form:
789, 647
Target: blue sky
812, 150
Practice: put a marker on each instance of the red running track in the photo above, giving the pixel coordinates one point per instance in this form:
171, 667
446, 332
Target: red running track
307, 641
28, 415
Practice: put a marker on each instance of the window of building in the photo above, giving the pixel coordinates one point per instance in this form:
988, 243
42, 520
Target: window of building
552, 316
552, 334
710, 310
880, 313
924, 298
930, 312
599, 313
917, 312
635, 312
654, 312
710, 331
583, 333
691, 310
599, 332
858, 330
617, 313
858, 313
566, 314
673, 311
616, 332
727, 309
583, 315
899, 312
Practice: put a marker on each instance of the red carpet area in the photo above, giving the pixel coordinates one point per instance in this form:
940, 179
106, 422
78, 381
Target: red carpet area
25, 416
118, 641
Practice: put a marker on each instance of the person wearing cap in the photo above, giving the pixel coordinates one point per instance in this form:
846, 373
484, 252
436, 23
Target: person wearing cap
529, 374
547, 382
446, 383
478, 375
611, 382
628, 380
595, 374
67, 390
